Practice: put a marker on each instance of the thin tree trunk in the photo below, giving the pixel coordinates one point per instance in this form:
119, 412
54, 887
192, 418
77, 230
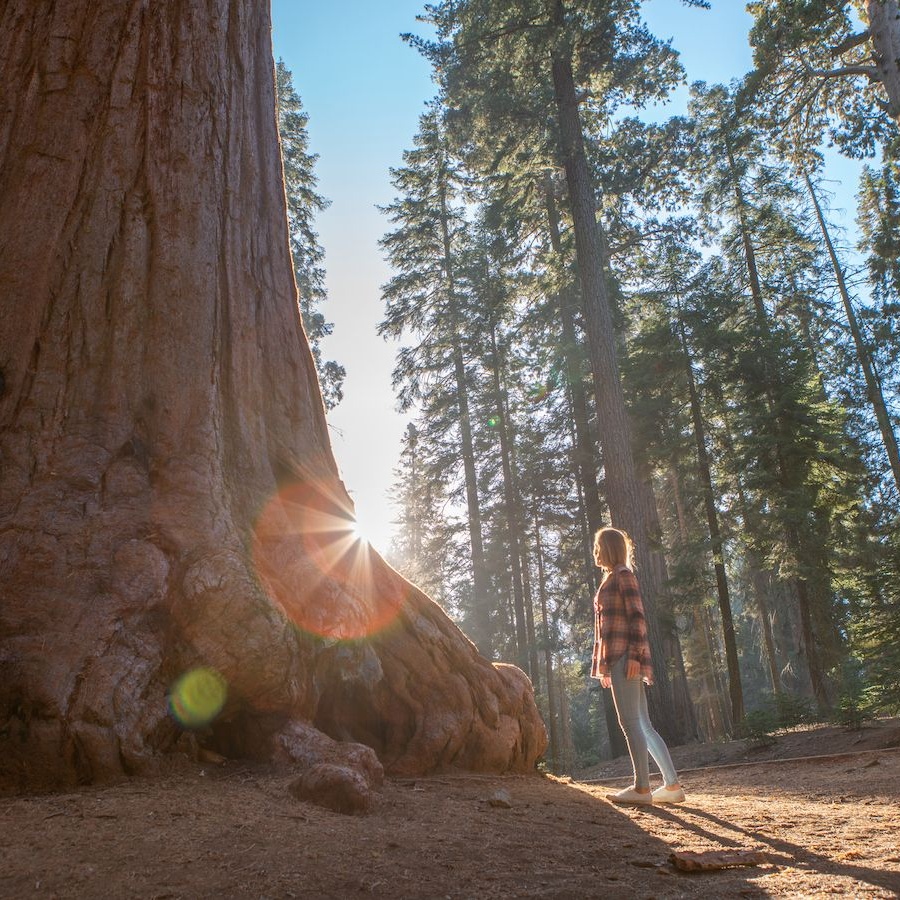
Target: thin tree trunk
794, 537
533, 664
765, 617
481, 620
565, 726
735, 690
711, 697
874, 393
509, 502
760, 592
713, 650
552, 710
583, 446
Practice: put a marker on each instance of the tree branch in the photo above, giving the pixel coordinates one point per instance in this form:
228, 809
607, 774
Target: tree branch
850, 42
869, 71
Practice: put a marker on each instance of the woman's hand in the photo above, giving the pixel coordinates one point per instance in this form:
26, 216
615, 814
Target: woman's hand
605, 681
632, 669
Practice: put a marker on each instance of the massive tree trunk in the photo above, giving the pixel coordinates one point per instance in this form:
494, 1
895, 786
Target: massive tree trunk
168, 498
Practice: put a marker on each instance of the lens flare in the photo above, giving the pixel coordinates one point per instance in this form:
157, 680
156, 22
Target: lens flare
312, 562
197, 697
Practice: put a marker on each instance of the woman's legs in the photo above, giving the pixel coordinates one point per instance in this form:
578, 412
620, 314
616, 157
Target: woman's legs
656, 745
627, 698
643, 739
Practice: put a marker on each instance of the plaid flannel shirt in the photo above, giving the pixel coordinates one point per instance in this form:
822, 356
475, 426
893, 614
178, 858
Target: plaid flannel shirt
619, 624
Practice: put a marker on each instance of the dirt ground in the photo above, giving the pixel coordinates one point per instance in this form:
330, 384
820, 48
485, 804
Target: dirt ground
825, 826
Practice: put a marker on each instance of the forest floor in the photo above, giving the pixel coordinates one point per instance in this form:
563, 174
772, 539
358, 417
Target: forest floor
822, 826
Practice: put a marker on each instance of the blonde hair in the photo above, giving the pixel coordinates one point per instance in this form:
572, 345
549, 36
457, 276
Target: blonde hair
613, 547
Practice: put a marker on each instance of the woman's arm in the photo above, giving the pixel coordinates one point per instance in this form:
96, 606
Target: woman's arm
638, 651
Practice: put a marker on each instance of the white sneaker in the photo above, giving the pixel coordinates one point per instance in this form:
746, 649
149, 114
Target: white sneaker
631, 797
666, 794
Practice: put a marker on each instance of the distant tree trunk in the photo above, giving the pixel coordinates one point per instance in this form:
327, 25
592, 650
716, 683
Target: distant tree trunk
765, 618
655, 572
884, 30
760, 593
584, 449
716, 660
552, 706
617, 744
481, 619
735, 690
533, 662
169, 502
799, 545
510, 506
567, 758
873, 389
622, 488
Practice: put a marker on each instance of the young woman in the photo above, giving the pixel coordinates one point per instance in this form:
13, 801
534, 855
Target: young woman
622, 661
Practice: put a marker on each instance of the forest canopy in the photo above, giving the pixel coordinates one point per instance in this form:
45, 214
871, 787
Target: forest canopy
569, 272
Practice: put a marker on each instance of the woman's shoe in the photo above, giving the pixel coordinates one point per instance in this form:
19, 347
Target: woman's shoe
631, 797
666, 794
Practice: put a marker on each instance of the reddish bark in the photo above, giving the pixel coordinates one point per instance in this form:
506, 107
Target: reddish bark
165, 457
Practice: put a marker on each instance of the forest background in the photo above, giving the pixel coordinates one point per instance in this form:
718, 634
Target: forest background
755, 343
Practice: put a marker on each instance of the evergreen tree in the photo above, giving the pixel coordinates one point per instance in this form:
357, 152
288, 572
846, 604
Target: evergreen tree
303, 202
791, 442
424, 299
545, 58
828, 66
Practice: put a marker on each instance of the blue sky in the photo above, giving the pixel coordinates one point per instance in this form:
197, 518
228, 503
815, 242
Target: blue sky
364, 90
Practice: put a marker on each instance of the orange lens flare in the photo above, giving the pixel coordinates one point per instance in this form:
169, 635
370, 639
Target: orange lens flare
311, 561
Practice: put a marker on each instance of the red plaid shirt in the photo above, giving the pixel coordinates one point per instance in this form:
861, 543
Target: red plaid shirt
619, 624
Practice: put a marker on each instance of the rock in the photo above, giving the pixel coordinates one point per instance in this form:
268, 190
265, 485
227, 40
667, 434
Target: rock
334, 787
300, 744
711, 860
501, 799
338, 775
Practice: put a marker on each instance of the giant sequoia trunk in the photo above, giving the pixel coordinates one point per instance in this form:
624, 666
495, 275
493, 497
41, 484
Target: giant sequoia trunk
168, 497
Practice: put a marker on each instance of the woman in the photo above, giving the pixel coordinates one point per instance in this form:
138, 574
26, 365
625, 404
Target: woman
622, 661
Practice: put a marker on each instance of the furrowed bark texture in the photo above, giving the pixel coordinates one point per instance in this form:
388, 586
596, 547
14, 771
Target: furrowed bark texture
166, 470
884, 28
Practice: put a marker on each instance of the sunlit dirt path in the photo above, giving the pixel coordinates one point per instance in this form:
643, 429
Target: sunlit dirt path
235, 831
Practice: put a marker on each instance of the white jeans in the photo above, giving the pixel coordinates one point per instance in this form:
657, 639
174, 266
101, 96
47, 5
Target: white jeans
643, 739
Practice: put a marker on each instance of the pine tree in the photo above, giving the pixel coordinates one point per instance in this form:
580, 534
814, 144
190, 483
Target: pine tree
542, 59
303, 203
424, 300
828, 67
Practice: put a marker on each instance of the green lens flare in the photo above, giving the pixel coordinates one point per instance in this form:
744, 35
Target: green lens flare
198, 697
